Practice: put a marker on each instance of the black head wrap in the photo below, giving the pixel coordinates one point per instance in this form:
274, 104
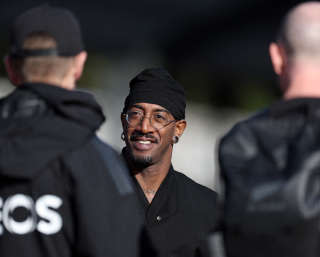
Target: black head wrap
156, 86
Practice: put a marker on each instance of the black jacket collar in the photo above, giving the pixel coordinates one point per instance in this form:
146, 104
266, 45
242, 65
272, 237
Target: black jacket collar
39, 123
307, 106
77, 105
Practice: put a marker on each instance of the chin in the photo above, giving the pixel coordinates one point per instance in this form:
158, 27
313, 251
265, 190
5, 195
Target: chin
141, 161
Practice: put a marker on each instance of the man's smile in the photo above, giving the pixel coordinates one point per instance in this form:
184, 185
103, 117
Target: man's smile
143, 143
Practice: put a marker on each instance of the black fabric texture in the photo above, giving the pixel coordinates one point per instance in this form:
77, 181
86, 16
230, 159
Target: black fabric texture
50, 152
74, 114
156, 86
270, 171
58, 22
180, 217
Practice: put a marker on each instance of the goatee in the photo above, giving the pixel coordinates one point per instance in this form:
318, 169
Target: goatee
138, 163
141, 162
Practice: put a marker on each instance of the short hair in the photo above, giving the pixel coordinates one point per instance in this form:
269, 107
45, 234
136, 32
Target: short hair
300, 31
41, 66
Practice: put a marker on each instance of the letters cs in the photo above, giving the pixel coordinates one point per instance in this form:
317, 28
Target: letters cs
45, 207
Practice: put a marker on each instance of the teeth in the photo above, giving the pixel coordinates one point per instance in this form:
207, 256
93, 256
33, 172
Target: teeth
144, 142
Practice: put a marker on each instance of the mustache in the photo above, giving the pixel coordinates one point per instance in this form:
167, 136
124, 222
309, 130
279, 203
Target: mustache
135, 135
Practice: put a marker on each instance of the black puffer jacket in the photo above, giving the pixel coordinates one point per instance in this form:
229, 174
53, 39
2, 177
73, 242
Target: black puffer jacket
270, 165
63, 192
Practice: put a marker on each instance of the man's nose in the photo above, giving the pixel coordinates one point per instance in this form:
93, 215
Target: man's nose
145, 125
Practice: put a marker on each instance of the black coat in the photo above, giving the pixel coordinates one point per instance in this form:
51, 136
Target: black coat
180, 217
63, 192
270, 167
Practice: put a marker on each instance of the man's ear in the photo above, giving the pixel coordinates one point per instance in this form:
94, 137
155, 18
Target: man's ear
124, 127
123, 121
79, 61
13, 75
278, 58
180, 127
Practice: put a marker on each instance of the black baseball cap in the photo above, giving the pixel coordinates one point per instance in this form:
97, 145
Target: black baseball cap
58, 22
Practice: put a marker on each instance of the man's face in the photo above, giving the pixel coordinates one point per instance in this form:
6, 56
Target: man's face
148, 143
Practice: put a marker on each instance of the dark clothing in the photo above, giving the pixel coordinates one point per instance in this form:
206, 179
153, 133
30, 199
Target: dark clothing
63, 192
180, 216
270, 168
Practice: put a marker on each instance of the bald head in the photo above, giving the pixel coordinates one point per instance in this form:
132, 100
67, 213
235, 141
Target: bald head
300, 31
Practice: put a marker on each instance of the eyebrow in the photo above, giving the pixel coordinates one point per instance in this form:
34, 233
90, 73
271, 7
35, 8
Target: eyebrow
156, 110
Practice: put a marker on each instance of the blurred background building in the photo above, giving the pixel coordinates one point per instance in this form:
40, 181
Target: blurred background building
217, 49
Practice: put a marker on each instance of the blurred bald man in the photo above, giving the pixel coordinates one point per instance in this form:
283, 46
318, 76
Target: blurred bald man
270, 163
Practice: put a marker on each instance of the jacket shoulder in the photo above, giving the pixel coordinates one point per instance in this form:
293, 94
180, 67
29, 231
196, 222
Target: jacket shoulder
241, 138
95, 161
245, 124
197, 191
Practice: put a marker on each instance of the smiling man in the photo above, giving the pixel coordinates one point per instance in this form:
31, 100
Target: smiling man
179, 212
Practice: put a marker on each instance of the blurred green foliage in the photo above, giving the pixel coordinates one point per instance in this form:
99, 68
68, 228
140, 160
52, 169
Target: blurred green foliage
94, 72
231, 90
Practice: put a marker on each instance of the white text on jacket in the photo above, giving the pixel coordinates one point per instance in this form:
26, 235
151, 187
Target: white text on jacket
42, 214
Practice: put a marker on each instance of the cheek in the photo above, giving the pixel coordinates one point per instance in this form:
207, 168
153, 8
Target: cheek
167, 136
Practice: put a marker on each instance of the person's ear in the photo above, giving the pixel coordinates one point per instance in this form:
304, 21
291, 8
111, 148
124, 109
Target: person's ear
180, 127
124, 127
13, 75
278, 58
123, 121
79, 62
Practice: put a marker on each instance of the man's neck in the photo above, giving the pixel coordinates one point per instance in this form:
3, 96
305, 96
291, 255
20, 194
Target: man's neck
63, 83
151, 177
304, 82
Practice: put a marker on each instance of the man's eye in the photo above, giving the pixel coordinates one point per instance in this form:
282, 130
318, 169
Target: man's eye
134, 115
159, 117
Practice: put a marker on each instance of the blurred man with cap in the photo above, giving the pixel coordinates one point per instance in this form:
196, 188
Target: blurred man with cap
63, 192
270, 162
179, 213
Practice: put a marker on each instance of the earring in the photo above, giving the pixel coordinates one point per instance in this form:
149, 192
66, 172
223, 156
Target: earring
175, 139
122, 136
